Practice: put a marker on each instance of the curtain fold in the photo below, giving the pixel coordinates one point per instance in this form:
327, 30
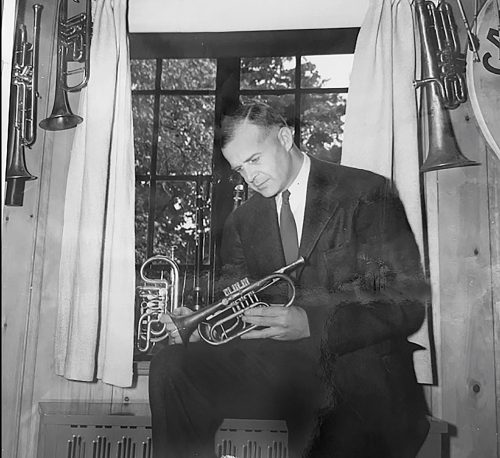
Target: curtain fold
381, 128
95, 321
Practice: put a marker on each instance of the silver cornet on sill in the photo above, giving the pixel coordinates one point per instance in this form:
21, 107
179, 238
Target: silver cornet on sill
158, 297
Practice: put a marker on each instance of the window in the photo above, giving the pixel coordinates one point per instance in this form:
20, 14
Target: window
183, 84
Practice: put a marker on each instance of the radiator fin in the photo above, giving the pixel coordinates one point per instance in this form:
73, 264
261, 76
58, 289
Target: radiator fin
96, 441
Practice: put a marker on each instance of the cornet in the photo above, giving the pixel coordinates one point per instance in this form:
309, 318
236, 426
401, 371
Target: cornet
222, 321
23, 127
73, 45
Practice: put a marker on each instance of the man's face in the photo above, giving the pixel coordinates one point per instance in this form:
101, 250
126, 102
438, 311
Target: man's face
262, 157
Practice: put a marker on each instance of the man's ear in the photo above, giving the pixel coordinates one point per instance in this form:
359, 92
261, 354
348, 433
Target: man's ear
285, 137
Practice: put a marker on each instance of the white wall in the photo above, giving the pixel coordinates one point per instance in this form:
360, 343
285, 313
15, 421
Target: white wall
236, 15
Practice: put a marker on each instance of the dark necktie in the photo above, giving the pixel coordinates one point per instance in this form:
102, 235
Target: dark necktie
288, 230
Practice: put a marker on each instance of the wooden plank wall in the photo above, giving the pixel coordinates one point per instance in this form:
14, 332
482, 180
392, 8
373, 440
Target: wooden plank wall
19, 227
467, 227
465, 219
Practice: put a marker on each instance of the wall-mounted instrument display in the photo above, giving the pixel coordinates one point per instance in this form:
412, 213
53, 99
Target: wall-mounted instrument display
443, 83
73, 37
24, 95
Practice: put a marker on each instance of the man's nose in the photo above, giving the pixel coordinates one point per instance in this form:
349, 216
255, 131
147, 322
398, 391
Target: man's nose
249, 174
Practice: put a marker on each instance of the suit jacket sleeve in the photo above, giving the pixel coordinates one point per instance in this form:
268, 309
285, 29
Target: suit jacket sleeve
382, 291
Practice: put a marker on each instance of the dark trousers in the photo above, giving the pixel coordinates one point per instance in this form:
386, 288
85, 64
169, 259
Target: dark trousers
192, 389
378, 410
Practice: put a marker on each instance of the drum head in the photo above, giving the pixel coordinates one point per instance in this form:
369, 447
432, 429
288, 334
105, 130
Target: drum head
483, 77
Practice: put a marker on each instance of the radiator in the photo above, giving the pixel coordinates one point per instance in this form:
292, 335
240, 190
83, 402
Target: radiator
104, 430
251, 439
94, 430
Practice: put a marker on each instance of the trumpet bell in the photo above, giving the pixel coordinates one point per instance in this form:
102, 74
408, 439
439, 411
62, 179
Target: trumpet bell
14, 191
61, 122
62, 117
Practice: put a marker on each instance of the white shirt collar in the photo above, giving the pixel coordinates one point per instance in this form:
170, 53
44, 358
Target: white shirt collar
299, 185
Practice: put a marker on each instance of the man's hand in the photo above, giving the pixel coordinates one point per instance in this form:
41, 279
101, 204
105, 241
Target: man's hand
174, 337
282, 323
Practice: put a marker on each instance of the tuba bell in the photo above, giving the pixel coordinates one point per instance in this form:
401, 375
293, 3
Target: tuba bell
443, 83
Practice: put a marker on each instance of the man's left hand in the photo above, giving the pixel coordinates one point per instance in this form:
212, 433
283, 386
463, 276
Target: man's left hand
281, 323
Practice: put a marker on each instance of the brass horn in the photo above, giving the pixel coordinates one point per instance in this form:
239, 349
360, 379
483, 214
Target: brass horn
158, 296
221, 322
443, 81
73, 46
23, 127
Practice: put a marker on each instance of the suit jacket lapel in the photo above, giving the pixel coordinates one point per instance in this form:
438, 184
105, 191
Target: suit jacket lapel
266, 236
321, 203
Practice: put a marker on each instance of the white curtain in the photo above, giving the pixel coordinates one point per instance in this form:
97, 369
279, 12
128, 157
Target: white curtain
380, 132
95, 322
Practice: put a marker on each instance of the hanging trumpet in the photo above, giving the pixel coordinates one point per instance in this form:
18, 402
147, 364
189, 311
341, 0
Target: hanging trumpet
73, 47
158, 296
23, 126
443, 83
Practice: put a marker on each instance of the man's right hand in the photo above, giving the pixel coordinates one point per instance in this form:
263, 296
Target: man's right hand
174, 337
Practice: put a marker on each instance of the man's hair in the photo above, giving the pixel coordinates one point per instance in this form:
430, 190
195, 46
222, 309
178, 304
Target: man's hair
256, 113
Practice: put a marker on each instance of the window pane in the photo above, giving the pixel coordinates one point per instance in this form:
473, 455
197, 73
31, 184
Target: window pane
326, 71
186, 136
143, 73
141, 221
284, 104
188, 73
176, 220
142, 109
322, 125
267, 73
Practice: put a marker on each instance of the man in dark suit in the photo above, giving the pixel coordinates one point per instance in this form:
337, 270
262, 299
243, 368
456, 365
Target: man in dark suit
336, 364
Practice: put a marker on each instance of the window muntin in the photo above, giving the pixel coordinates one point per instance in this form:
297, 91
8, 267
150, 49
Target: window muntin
143, 115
